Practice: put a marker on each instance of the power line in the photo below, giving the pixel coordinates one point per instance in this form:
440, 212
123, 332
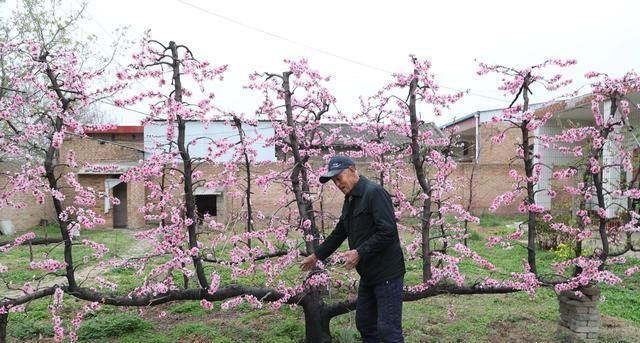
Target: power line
111, 103
322, 51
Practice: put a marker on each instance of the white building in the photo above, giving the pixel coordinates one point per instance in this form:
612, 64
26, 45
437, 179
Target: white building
155, 137
576, 112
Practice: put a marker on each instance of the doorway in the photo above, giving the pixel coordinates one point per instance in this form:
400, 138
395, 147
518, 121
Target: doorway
120, 210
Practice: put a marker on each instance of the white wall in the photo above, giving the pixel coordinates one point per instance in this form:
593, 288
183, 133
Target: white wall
551, 156
156, 132
611, 175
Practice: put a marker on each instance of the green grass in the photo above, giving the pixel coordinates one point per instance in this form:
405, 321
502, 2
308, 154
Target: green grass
192, 307
485, 318
18, 259
25, 326
623, 302
112, 325
494, 220
183, 331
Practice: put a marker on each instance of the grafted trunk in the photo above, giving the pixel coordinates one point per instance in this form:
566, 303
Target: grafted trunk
4, 318
316, 319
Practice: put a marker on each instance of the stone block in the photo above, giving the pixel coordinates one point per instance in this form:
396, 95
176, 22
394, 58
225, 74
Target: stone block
572, 302
587, 316
593, 323
584, 310
586, 329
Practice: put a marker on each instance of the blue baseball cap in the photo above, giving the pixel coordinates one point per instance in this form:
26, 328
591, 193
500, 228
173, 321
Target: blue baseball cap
335, 166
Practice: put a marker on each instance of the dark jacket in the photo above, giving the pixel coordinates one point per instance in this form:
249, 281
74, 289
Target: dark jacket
369, 222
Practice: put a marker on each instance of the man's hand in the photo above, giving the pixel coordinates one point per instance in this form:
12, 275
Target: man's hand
309, 262
351, 258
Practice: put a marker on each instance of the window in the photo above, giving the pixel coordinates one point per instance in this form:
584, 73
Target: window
465, 149
206, 203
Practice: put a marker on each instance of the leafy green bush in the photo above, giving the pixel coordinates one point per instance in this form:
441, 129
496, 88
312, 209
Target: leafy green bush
563, 252
550, 239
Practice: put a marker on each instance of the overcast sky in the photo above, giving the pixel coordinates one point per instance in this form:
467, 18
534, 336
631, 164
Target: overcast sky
360, 42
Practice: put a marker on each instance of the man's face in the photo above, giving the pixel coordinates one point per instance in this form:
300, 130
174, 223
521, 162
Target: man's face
346, 180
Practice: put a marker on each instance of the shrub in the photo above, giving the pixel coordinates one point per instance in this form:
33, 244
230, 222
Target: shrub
550, 239
563, 252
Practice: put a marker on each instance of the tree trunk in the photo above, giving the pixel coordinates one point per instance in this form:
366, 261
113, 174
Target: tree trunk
299, 178
418, 164
187, 169
4, 318
528, 160
316, 319
426, 247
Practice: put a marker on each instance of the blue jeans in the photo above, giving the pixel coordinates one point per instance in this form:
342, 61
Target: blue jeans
379, 311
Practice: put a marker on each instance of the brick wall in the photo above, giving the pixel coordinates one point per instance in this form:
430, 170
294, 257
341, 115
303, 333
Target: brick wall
94, 150
32, 212
491, 174
489, 177
491, 153
135, 199
489, 181
123, 149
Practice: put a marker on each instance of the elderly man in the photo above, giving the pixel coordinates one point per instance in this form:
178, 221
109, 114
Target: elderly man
368, 221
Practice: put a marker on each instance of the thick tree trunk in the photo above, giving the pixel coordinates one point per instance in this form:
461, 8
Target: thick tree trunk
4, 318
316, 319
